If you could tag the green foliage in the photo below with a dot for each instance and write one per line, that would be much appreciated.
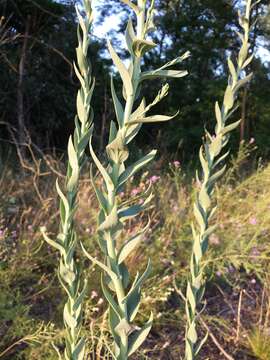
(66, 243)
(209, 27)
(260, 344)
(239, 254)
(121, 218)
(124, 296)
(211, 157)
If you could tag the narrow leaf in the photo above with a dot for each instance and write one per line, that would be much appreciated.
(163, 74)
(122, 70)
(117, 105)
(132, 169)
(136, 339)
(100, 264)
(154, 118)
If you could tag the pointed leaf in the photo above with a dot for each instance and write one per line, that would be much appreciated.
(78, 352)
(119, 111)
(140, 47)
(100, 264)
(163, 74)
(133, 169)
(154, 118)
(136, 339)
(129, 246)
(73, 161)
(122, 70)
(51, 242)
(101, 198)
(130, 36)
(106, 176)
(110, 222)
(110, 299)
(231, 127)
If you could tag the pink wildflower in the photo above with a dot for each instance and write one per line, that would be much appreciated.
(253, 221)
(252, 140)
(135, 191)
(214, 239)
(176, 163)
(154, 179)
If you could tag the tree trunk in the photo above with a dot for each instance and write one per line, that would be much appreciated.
(20, 90)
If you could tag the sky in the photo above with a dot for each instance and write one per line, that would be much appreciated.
(112, 22)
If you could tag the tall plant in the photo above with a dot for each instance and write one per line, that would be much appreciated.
(211, 158)
(66, 242)
(124, 296)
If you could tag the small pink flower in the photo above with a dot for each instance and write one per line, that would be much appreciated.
(252, 140)
(255, 251)
(154, 179)
(176, 163)
(122, 194)
(135, 191)
(253, 220)
(214, 239)
(253, 281)
(218, 273)
(87, 230)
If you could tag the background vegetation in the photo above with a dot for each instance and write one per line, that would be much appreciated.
(37, 106)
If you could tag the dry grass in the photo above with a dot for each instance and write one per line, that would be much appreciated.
(237, 310)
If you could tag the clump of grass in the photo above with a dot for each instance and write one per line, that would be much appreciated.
(260, 344)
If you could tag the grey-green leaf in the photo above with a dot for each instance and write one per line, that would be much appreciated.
(137, 337)
(123, 71)
(132, 169)
(163, 74)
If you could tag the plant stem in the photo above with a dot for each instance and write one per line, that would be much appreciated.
(211, 156)
(66, 241)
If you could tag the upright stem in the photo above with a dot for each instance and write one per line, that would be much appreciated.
(211, 157)
(123, 295)
(66, 241)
